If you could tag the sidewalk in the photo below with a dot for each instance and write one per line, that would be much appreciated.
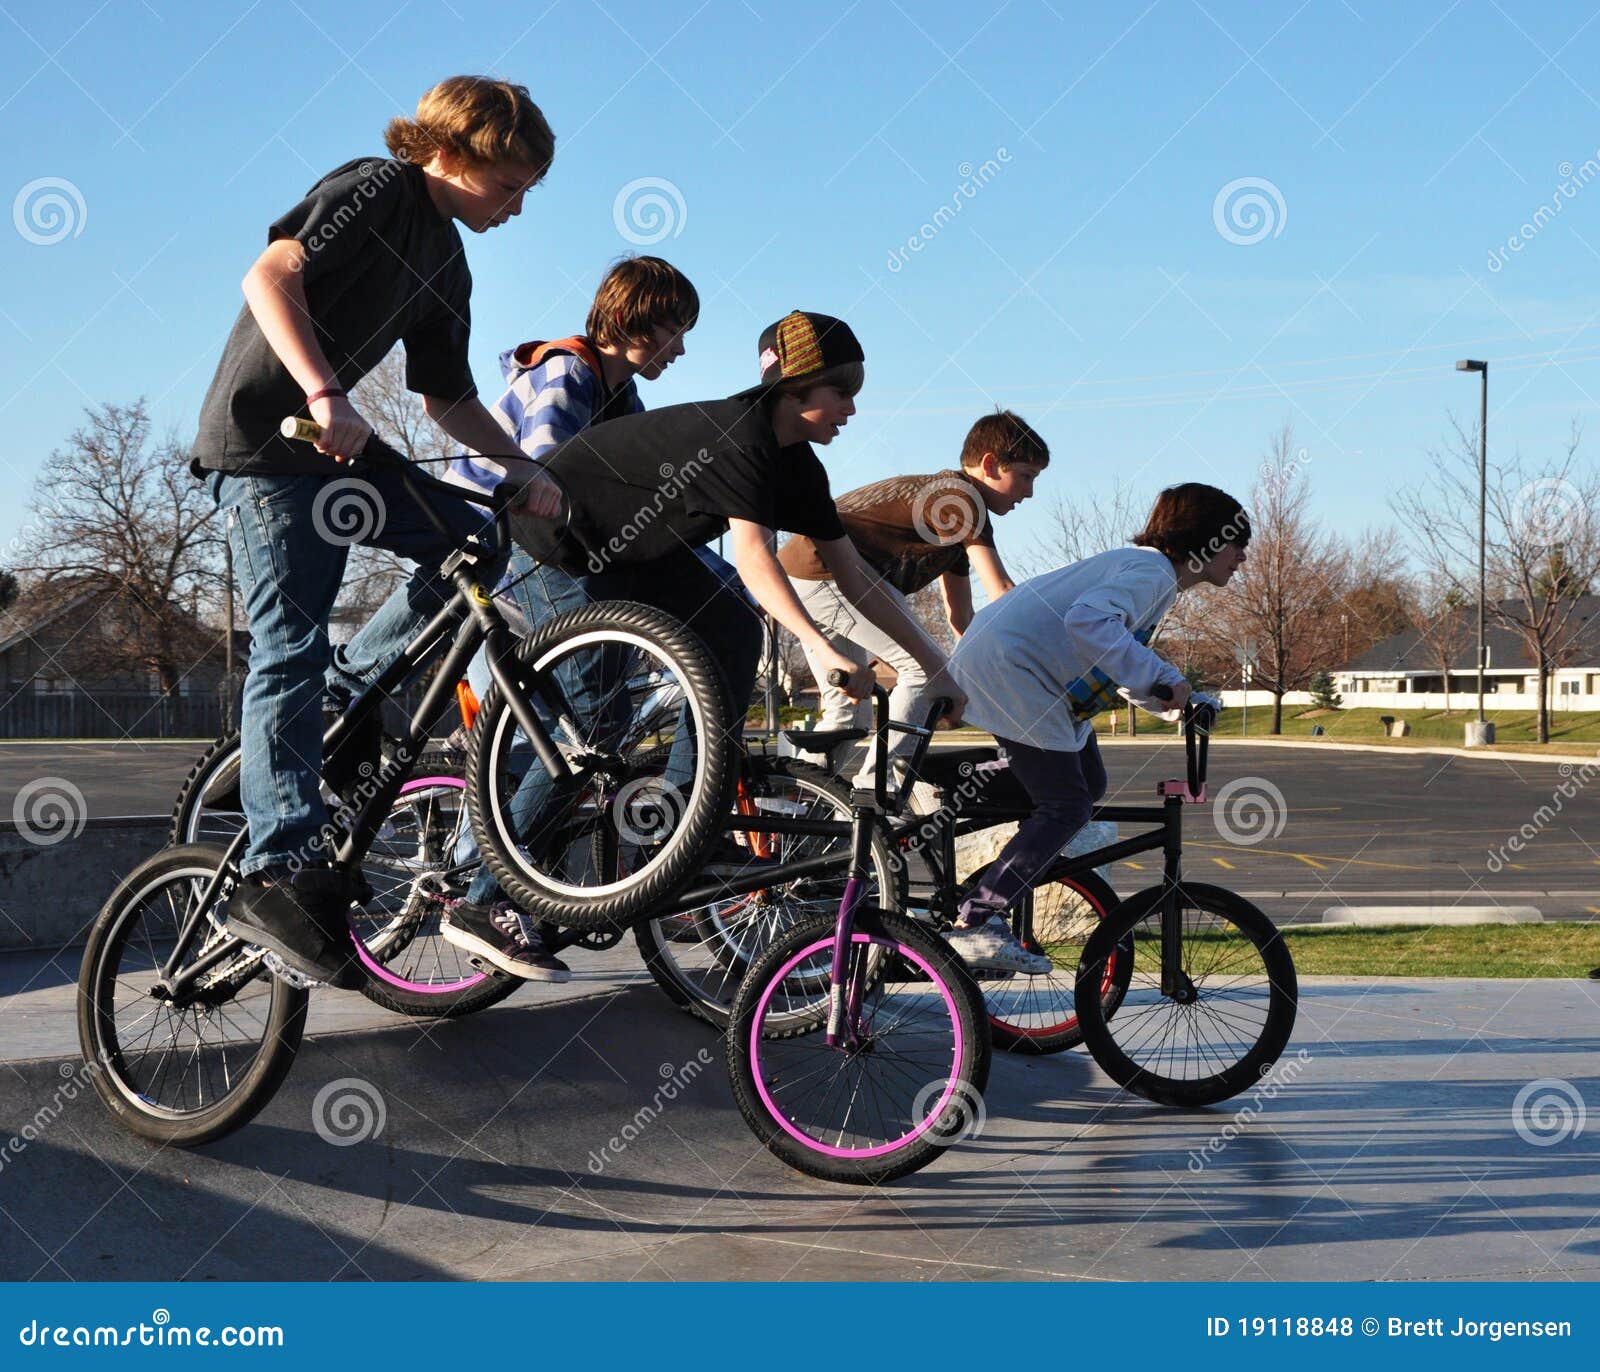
(1390, 1150)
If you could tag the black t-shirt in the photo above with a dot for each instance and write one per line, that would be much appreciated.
(382, 266)
(650, 484)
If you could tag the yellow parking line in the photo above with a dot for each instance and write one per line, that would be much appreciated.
(1223, 862)
(1137, 866)
(1309, 862)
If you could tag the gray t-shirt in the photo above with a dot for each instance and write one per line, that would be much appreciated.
(382, 266)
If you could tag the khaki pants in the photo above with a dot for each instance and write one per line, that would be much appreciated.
(860, 640)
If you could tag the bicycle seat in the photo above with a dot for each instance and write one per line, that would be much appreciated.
(822, 740)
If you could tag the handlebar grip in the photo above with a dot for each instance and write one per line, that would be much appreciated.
(305, 430)
(838, 678)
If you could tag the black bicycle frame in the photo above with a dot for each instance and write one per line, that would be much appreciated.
(473, 619)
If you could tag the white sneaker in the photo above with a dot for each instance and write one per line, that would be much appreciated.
(992, 944)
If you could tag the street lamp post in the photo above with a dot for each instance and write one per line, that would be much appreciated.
(1481, 731)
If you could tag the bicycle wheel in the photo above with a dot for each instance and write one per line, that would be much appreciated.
(908, 1086)
(413, 866)
(207, 808)
(1038, 1014)
(699, 957)
(185, 1073)
(651, 746)
(1233, 1013)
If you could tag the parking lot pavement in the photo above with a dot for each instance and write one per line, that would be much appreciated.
(1295, 829)
(1422, 1130)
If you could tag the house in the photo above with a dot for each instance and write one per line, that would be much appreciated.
(1404, 670)
(66, 636)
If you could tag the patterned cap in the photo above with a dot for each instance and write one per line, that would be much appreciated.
(801, 344)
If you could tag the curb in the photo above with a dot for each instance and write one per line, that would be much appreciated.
(975, 739)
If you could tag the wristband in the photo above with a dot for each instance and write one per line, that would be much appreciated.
(326, 393)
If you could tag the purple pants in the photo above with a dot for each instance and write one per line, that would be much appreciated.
(1065, 788)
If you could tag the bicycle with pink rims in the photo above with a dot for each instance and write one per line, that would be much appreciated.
(413, 867)
(858, 1043)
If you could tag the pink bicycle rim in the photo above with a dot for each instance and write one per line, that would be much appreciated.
(815, 1144)
(376, 969)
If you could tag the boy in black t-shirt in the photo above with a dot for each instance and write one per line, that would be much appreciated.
(647, 490)
(369, 258)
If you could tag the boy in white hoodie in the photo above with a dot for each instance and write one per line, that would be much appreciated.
(1037, 665)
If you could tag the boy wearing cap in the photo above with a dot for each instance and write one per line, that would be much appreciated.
(647, 490)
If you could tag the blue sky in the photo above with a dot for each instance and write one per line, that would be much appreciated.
(1085, 271)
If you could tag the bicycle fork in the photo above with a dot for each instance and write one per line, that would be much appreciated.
(848, 978)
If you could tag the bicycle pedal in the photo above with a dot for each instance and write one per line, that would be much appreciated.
(287, 974)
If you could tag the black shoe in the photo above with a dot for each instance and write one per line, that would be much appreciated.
(498, 936)
(357, 757)
(271, 910)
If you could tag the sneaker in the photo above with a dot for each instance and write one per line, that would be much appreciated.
(303, 922)
(495, 933)
(992, 944)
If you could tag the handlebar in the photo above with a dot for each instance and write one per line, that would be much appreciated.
(1197, 722)
(499, 500)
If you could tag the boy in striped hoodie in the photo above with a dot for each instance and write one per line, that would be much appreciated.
(556, 389)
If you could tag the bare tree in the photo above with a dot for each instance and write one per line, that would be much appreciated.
(1081, 527)
(1443, 619)
(1288, 594)
(123, 517)
(1542, 541)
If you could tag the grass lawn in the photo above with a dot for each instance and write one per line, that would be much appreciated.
(1569, 731)
(1482, 950)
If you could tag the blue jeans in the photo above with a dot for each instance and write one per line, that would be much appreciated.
(290, 539)
(694, 589)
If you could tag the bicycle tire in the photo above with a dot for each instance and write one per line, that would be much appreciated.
(219, 762)
(618, 899)
(726, 940)
(464, 991)
(122, 1077)
(1037, 1015)
(1138, 1050)
(938, 991)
